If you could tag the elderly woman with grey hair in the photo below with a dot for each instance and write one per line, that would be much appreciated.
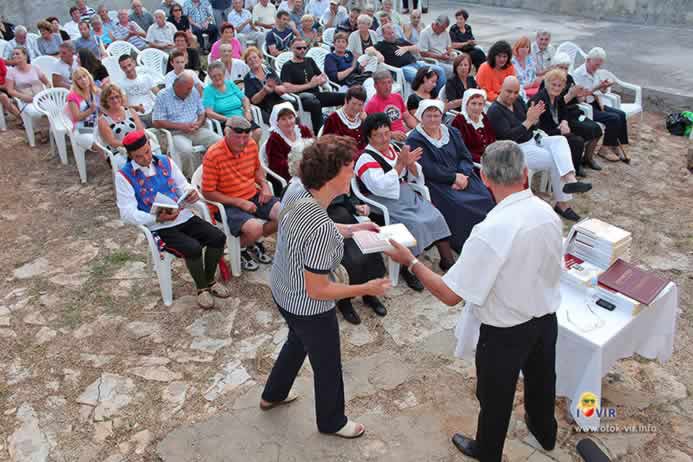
(363, 37)
(344, 211)
(594, 85)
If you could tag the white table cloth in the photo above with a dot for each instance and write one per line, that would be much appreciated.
(583, 358)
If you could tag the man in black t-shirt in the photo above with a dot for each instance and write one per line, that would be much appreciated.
(463, 39)
(401, 54)
(302, 76)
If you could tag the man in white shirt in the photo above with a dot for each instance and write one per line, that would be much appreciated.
(509, 274)
(72, 27)
(435, 43)
(242, 20)
(160, 34)
(65, 66)
(264, 15)
(139, 89)
(183, 234)
(317, 8)
(543, 52)
(334, 15)
(21, 39)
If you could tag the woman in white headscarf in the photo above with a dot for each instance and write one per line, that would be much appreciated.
(474, 126)
(447, 165)
(285, 132)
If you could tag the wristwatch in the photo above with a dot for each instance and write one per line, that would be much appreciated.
(412, 263)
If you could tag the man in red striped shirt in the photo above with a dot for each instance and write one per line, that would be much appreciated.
(232, 175)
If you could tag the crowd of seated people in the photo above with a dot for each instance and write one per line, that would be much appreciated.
(222, 72)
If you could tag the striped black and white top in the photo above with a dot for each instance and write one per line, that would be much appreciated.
(307, 240)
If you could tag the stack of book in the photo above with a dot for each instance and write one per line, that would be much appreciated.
(598, 242)
(579, 273)
(628, 287)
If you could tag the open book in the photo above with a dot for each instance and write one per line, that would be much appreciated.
(372, 242)
(162, 201)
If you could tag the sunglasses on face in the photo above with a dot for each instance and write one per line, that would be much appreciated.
(300, 48)
(240, 130)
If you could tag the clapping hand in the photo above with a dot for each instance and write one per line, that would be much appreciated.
(408, 157)
(535, 111)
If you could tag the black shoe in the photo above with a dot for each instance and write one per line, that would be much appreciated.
(348, 311)
(544, 444)
(411, 280)
(376, 304)
(577, 187)
(592, 163)
(467, 446)
(568, 214)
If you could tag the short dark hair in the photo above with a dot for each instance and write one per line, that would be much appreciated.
(374, 122)
(356, 9)
(358, 92)
(324, 159)
(85, 21)
(226, 25)
(124, 57)
(501, 47)
(462, 12)
(181, 33)
(176, 54)
(282, 13)
(73, 9)
(421, 74)
(52, 18)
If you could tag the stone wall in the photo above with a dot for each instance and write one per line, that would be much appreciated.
(664, 12)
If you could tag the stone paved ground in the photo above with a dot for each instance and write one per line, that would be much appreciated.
(93, 367)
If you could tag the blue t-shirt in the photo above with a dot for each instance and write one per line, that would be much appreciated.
(228, 104)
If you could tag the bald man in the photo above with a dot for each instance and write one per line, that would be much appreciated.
(513, 120)
(179, 109)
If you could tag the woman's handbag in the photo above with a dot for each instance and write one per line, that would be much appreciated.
(338, 275)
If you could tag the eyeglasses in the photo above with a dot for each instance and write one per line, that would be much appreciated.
(300, 48)
(240, 130)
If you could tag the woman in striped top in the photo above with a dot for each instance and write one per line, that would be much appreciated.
(309, 246)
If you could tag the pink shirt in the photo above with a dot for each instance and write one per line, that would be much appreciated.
(393, 106)
(214, 54)
(24, 80)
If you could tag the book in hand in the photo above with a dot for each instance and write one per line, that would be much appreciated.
(372, 242)
(633, 282)
(163, 202)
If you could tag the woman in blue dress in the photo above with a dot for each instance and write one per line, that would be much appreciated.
(447, 165)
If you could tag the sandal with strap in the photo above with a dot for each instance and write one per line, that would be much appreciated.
(351, 430)
(266, 405)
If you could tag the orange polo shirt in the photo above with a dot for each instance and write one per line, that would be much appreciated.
(229, 174)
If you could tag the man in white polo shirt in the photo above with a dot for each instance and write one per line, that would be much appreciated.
(509, 274)
(435, 43)
(160, 34)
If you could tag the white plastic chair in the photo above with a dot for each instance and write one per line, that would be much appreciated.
(270, 59)
(399, 79)
(419, 186)
(631, 109)
(78, 151)
(265, 166)
(154, 60)
(328, 36)
(121, 47)
(282, 59)
(571, 50)
(318, 55)
(3, 44)
(233, 242)
(115, 73)
(46, 64)
(51, 103)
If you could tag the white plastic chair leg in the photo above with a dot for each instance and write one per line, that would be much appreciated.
(393, 270)
(3, 124)
(165, 282)
(29, 128)
(61, 145)
(81, 162)
(235, 255)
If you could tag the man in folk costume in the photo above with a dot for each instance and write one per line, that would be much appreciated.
(183, 234)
